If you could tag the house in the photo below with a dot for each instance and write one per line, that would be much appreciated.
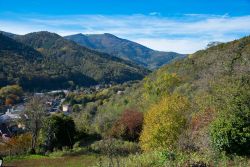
(66, 108)
(119, 92)
(97, 87)
(39, 94)
(8, 122)
(9, 116)
(58, 91)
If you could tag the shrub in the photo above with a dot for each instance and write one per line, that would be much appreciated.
(103, 122)
(230, 132)
(129, 126)
(17, 145)
(115, 147)
(164, 122)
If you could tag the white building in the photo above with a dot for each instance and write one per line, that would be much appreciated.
(65, 108)
(9, 116)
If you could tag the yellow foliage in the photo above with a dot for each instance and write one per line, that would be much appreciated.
(162, 85)
(164, 122)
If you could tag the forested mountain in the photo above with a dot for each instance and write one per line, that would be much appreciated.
(18, 61)
(125, 49)
(59, 63)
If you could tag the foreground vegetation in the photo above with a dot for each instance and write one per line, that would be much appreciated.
(145, 160)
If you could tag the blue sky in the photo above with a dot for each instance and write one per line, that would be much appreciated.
(183, 26)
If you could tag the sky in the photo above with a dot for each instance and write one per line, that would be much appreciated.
(183, 26)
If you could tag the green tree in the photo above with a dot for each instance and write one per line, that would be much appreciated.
(59, 131)
(162, 85)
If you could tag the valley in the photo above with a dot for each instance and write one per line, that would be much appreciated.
(81, 107)
(124, 83)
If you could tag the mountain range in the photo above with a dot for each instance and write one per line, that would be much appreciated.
(125, 49)
(44, 60)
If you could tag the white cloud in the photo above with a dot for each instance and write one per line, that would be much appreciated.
(181, 45)
(184, 34)
(155, 14)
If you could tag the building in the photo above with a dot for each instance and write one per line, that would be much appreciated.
(119, 92)
(8, 124)
(9, 116)
(65, 108)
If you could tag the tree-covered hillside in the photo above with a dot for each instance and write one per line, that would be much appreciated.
(196, 73)
(59, 63)
(199, 104)
(125, 49)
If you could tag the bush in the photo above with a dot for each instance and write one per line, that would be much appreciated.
(230, 132)
(164, 122)
(17, 145)
(103, 122)
(115, 147)
(129, 126)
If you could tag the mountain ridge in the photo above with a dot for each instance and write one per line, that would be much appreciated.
(126, 49)
(63, 63)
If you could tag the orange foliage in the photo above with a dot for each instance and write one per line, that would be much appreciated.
(129, 125)
(9, 101)
(16, 145)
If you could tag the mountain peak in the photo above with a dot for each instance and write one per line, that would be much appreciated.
(39, 39)
(79, 34)
(43, 33)
(109, 35)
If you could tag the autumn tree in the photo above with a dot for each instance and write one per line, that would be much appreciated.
(164, 122)
(11, 94)
(33, 117)
(128, 126)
